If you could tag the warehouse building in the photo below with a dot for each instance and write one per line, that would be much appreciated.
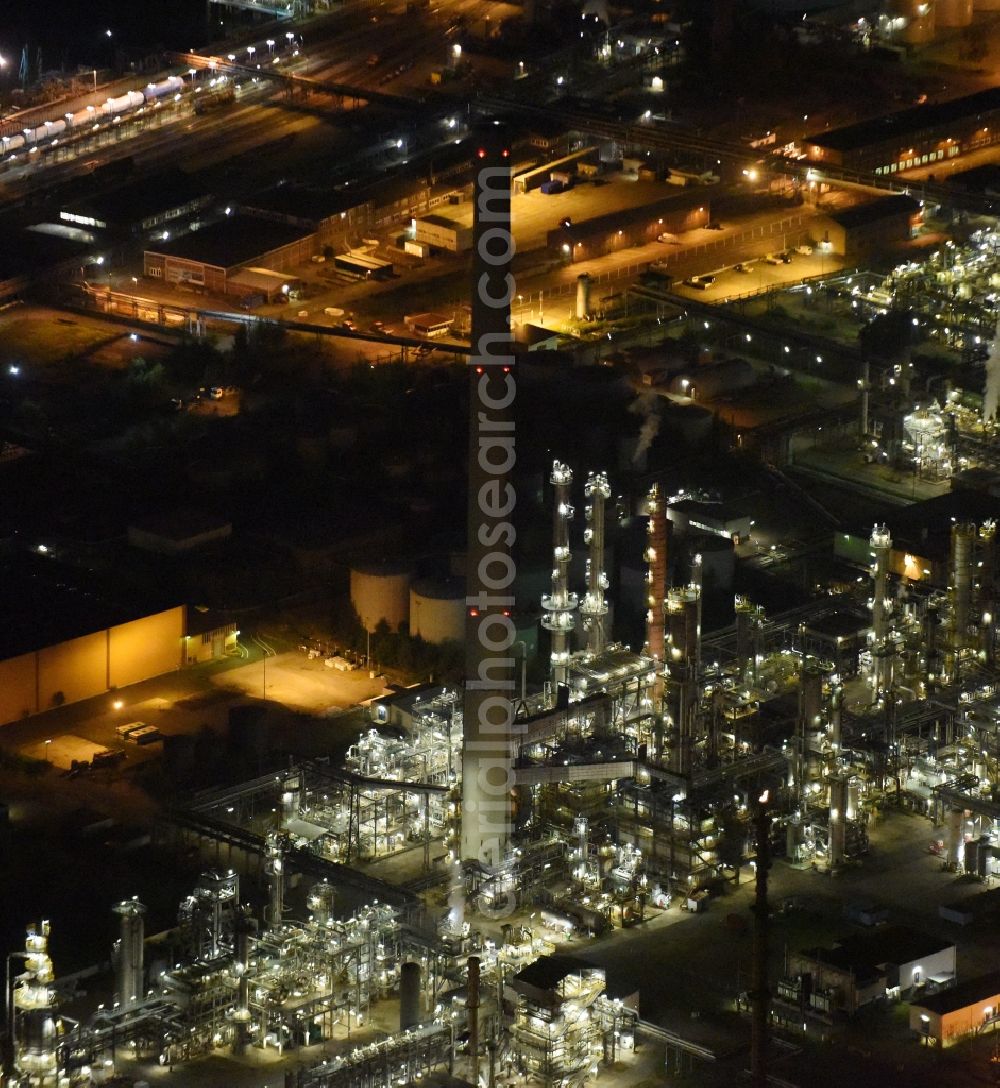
(629, 227)
(869, 228)
(93, 662)
(948, 1017)
(864, 968)
(141, 206)
(212, 257)
(913, 137)
(438, 232)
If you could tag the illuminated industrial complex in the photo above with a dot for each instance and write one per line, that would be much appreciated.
(499, 549)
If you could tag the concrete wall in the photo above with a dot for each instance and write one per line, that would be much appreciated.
(146, 647)
(77, 668)
(17, 688)
(90, 665)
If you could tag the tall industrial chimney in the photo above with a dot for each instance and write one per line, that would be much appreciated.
(488, 709)
(472, 1006)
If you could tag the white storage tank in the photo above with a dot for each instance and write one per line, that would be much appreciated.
(381, 591)
(437, 609)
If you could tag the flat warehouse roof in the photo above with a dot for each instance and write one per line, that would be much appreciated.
(907, 123)
(142, 198)
(234, 240)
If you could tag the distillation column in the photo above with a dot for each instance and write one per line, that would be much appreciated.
(683, 652)
(963, 536)
(594, 607)
(561, 603)
(274, 867)
(987, 590)
(656, 574)
(32, 1019)
(749, 620)
(244, 926)
(838, 821)
(882, 648)
(129, 952)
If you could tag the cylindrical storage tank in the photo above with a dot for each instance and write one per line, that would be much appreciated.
(12, 143)
(409, 995)
(582, 296)
(952, 13)
(54, 128)
(129, 972)
(914, 20)
(117, 105)
(381, 591)
(437, 609)
(135, 99)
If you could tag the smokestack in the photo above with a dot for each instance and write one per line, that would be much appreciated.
(561, 603)
(761, 995)
(656, 574)
(489, 630)
(129, 974)
(472, 1005)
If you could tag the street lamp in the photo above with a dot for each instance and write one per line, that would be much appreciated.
(270, 45)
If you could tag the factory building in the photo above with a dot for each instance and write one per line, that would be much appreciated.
(929, 133)
(967, 1009)
(864, 968)
(139, 207)
(630, 227)
(866, 229)
(37, 678)
(212, 257)
(439, 232)
(175, 532)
